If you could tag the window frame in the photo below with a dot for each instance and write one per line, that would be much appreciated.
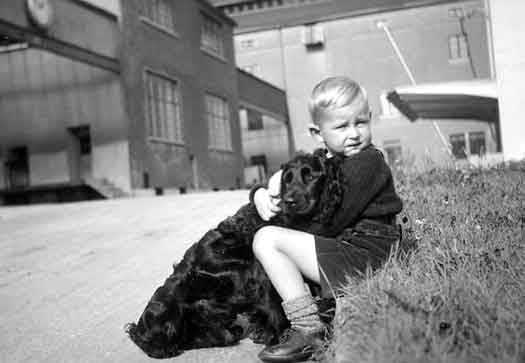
(469, 138)
(459, 135)
(474, 136)
(459, 43)
(396, 146)
(218, 35)
(151, 107)
(257, 124)
(388, 110)
(148, 17)
(214, 137)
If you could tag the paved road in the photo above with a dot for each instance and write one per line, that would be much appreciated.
(72, 275)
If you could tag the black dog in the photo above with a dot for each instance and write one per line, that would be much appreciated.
(219, 293)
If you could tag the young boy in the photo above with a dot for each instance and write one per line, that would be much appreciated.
(341, 120)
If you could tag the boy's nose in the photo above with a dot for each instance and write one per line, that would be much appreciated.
(353, 133)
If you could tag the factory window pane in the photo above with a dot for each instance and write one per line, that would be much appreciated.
(163, 108)
(211, 36)
(255, 120)
(476, 142)
(218, 118)
(160, 12)
(458, 47)
(459, 146)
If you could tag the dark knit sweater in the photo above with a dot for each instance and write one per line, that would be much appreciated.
(369, 193)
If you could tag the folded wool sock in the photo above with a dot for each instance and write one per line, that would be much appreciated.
(303, 314)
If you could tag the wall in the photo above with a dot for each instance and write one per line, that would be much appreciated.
(178, 55)
(509, 53)
(420, 155)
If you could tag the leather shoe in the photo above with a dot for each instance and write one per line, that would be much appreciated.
(293, 346)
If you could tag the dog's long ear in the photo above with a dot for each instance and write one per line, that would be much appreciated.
(332, 193)
(320, 153)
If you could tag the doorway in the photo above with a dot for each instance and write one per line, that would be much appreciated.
(17, 167)
(79, 152)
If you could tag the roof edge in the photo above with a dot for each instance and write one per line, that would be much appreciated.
(240, 70)
(217, 11)
(347, 14)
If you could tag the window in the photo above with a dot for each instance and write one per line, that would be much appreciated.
(247, 43)
(163, 108)
(476, 142)
(457, 141)
(458, 47)
(260, 160)
(393, 152)
(464, 144)
(218, 117)
(160, 12)
(313, 36)
(456, 12)
(211, 36)
(255, 120)
(387, 109)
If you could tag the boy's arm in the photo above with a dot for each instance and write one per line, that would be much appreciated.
(274, 186)
(265, 200)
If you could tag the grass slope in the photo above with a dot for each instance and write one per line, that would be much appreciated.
(459, 296)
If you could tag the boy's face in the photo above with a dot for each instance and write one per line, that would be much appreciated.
(345, 130)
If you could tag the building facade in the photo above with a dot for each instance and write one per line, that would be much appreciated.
(180, 84)
(294, 44)
(121, 96)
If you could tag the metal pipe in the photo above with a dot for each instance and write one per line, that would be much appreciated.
(382, 25)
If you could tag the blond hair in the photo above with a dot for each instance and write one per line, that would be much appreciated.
(333, 93)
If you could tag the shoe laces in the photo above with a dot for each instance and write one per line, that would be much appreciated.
(286, 335)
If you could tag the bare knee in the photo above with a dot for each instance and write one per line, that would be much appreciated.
(264, 241)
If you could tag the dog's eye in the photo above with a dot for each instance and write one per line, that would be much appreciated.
(288, 177)
(306, 174)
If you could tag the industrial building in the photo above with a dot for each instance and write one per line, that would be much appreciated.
(109, 98)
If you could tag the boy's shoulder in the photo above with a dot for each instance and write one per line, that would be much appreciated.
(370, 155)
(369, 161)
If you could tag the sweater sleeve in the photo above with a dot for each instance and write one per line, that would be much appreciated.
(366, 174)
(253, 189)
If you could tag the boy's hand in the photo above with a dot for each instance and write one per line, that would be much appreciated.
(274, 184)
(266, 200)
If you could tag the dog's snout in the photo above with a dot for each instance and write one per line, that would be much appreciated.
(290, 201)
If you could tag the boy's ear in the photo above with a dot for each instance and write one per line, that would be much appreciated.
(315, 132)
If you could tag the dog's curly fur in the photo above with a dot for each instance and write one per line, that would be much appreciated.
(219, 293)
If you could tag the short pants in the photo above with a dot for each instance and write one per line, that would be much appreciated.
(366, 245)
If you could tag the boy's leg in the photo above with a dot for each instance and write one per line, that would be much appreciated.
(286, 255)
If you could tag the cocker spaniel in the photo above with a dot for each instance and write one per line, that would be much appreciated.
(219, 293)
